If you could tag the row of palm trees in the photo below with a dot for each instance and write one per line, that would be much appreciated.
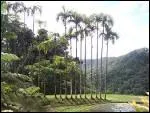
(84, 27)
(19, 7)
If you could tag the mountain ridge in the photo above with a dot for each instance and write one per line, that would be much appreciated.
(127, 74)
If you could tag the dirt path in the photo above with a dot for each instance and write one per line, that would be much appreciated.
(113, 107)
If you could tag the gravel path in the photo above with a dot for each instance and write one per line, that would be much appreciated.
(113, 107)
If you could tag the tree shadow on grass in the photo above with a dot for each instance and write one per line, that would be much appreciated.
(78, 101)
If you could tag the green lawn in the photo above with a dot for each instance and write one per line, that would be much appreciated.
(123, 98)
(81, 105)
(110, 97)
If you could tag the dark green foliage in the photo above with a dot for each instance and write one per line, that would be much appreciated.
(128, 74)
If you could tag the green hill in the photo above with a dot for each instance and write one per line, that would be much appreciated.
(127, 74)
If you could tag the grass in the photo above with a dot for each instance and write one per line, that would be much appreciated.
(124, 98)
(82, 105)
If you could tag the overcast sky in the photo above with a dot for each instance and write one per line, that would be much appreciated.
(131, 22)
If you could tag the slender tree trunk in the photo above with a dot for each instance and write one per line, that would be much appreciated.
(101, 63)
(66, 66)
(55, 81)
(71, 73)
(85, 70)
(91, 68)
(33, 23)
(39, 71)
(76, 59)
(60, 92)
(24, 19)
(97, 77)
(7, 46)
(44, 87)
(106, 68)
(81, 67)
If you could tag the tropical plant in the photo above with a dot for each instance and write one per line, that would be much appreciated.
(106, 21)
(70, 35)
(32, 10)
(87, 29)
(77, 19)
(110, 35)
(96, 19)
(64, 17)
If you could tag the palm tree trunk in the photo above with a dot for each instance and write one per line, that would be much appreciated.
(33, 23)
(44, 87)
(71, 86)
(80, 67)
(66, 65)
(97, 81)
(39, 71)
(55, 81)
(60, 92)
(7, 46)
(101, 63)
(76, 59)
(91, 68)
(24, 19)
(71, 73)
(85, 70)
(106, 67)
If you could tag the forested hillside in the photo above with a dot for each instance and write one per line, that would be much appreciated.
(128, 73)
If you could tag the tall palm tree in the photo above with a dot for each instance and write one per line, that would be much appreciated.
(32, 10)
(110, 35)
(91, 67)
(24, 10)
(81, 33)
(106, 21)
(56, 35)
(16, 7)
(87, 28)
(81, 38)
(76, 19)
(96, 19)
(64, 15)
(90, 31)
(69, 36)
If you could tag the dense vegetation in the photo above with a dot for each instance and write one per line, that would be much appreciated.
(127, 74)
(33, 66)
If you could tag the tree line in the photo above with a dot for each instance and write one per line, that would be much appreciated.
(45, 58)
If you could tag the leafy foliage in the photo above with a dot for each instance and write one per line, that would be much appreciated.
(8, 57)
